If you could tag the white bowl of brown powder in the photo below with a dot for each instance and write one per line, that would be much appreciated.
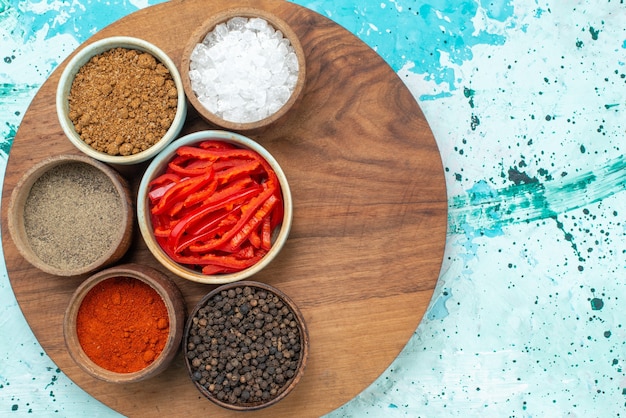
(71, 215)
(121, 100)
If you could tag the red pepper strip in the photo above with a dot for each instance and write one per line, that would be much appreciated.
(160, 231)
(216, 154)
(255, 239)
(248, 211)
(233, 217)
(266, 234)
(181, 190)
(230, 174)
(221, 165)
(209, 144)
(207, 230)
(191, 169)
(164, 178)
(232, 189)
(245, 252)
(252, 223)
(159, 192)
(176, 208)
(279, 211)
(197, 214)
(227, 261)
(200, 195)
(231, 263)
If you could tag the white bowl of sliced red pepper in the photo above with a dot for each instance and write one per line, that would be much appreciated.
(214, 207)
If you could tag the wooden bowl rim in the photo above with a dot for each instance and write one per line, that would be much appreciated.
(208, 25)
(169, 293)
(22, 190)
(304, 339)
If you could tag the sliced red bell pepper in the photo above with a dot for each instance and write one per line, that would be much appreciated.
(197, 214)
(266, 235)
(215, 207)
(183, 188)
(253, 222)
(216, 145)
(247, 212)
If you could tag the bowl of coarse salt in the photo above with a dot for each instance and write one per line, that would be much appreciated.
(243, 69)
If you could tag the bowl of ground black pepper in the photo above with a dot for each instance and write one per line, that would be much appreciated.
(121, 100)
(125, 324)
(71, 215)
(245, 345)
(243, 69)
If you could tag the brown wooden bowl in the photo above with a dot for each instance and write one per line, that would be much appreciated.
(199, 35)
(31, 241)
(236, 342)
(176, 311)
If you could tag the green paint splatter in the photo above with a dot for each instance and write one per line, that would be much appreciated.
(609, 106)
(594, 33)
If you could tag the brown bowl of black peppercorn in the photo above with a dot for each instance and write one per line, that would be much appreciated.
(245, 345)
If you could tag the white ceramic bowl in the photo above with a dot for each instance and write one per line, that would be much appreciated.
(80, 59)
(158, 165)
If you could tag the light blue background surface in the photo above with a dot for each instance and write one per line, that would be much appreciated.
(527, 102)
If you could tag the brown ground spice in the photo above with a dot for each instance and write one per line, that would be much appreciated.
(72, 215)
(122, 101)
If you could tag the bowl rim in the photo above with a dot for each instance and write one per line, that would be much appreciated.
(143, 212)
(208, 25)
(81, 58)
(174, 304)
(21, 191)
(304, 339)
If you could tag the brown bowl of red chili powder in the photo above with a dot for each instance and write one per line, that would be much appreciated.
(125, 324)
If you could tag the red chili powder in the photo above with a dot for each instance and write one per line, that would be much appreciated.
(122, 324)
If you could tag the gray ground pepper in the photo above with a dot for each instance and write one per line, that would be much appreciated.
(122, 101)
(72, 215)
(244, 346)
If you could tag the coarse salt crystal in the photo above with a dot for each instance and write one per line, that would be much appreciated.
(244, 70)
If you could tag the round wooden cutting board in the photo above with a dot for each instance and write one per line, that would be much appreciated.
(369, 228)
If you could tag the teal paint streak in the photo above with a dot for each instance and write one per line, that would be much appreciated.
(486, 209)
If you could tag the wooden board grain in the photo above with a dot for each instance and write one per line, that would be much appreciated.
(369, 226)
